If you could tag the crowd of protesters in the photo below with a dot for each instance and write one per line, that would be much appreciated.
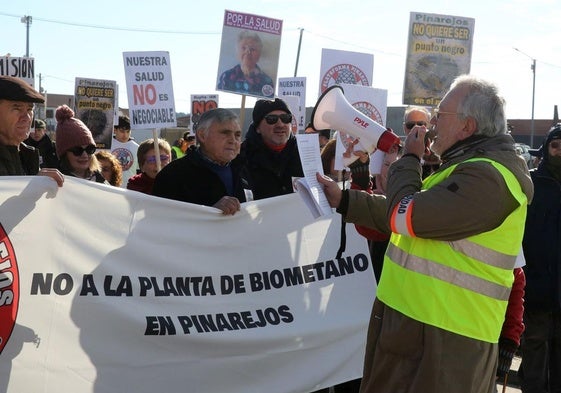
(465, 233)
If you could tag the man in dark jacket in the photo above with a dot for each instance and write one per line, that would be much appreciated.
(17, 99)
(540, 370)
(206, 175)
(41, 141)
(269, 151)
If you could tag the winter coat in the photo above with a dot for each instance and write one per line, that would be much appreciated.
(142, 183)
(472, 200)
(190, 179)
(18, 162)
(270, 173)
(47, 151)
(542, 243)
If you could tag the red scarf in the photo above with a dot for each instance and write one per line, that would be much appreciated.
(277, 148)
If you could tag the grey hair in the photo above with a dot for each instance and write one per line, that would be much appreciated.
(483, 103)
(246, 34)
(412, 108)
(217, 115)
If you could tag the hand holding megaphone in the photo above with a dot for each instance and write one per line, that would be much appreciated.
(416, 142)
(333, 111)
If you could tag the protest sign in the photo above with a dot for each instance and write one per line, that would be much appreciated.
(95, 106)
(339, 66)
(439, 49)
(249, 54)
(149, 90)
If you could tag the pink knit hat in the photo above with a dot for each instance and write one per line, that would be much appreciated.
(70, 131)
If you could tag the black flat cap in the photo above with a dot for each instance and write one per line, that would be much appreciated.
(16, 89)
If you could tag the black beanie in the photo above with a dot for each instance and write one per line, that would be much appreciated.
(554, 133)
(263, 107)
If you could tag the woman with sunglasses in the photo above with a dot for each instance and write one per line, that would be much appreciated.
(148, 163)
(75, 147)
(270, 152)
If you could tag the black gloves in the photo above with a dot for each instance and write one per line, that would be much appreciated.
(360, 174)
(507, 349)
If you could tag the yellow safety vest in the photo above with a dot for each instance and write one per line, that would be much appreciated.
(460, 286)
(179, 153)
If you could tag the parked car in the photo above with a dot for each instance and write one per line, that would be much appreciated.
(523, 150)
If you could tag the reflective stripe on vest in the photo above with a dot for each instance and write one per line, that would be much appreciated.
(460, 286)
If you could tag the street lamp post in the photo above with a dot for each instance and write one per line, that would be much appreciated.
(298, 53)
(533, 67)
(27, 20)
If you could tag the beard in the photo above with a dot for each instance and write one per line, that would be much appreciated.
(554, 166)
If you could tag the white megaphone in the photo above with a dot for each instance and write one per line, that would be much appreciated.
(333, 111)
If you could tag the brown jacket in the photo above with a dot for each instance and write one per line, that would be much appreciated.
(402, 354)
(472, 200)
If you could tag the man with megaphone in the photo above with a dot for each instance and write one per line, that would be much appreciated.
(448, 269)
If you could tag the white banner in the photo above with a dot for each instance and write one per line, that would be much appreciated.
(109, 290)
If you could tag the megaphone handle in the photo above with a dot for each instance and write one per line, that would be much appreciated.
(343, 240)
(387, 140)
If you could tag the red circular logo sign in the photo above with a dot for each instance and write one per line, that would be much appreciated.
(343, 73)
(9, 288)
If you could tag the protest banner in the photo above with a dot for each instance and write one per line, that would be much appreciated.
(95, 106)
(439, 48)
(149, 294)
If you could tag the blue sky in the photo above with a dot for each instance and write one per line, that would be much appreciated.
(86, 39)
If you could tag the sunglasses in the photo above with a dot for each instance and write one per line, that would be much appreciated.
(555, 144)
(411, 124)
(272, 119)
(152, 159)
(79, 150)
(436, 112)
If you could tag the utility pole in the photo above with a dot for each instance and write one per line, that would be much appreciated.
(41, 107)
(533, 67)
(298, 53)
(27, 20)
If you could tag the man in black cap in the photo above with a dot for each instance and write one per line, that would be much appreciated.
(41, 141)
(540, 370)
(16, 113)
(269, 151)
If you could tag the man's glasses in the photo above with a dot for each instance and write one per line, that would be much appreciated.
(272, 119)
(152, 159)
(436, 112)
(79, 150)
(555, 144)
(411, 124)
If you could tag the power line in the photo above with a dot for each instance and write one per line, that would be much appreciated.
(138, 30)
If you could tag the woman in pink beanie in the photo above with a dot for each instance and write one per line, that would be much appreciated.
(75, 147)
